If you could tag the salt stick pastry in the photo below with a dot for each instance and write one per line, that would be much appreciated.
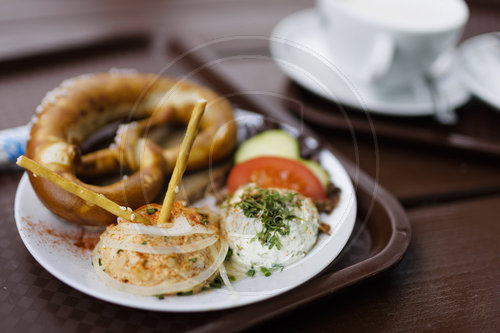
(182, 158)
(89, 196)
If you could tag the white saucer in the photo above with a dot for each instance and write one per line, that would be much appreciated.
(298, 48)
(479, 59)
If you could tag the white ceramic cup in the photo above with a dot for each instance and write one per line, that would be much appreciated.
(389, 42)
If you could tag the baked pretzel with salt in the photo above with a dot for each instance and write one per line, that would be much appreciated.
(72, 112)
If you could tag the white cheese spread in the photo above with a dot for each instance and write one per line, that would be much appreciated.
(245, 234)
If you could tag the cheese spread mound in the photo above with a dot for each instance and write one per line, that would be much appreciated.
(269, 228)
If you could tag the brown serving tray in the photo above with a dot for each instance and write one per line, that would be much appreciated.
(379, 240)
(476, 131)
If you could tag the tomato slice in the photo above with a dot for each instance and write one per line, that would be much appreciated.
(276, 172)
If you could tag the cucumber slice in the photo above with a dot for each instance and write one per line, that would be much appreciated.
(318, 171)
(281, 144)
(269, 143)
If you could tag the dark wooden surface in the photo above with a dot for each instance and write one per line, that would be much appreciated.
(449, 278)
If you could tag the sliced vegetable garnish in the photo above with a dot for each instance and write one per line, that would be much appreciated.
(275, 142)
(276, 172)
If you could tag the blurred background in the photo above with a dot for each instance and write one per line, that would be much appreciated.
(31, 23)
(446, 177)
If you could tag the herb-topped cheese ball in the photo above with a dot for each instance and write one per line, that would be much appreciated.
(269, 228)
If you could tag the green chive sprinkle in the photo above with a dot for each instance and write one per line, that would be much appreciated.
(273, 209)
(204, 218)
(229, 254)
(217, 282)
(265, 271)
(151, 210)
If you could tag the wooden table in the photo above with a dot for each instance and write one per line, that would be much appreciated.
(449, 277)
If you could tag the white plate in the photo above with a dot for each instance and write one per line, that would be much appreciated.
(299, 49)
(72, 266)
(479, 69)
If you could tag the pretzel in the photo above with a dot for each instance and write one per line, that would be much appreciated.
(72, 112)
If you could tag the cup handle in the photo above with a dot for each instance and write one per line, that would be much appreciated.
(381, 59)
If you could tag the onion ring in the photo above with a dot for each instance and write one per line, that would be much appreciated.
(164, 287)
(186, 248)
(129, 228)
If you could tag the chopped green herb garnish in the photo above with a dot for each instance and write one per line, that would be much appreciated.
(194, 259)
(160, 296)
(274, 210)
(231, 278)
(229, 254)
(276, 267)
(251, 272)
(166, 237)
(100, 263)
(265, 271)
(217, 282)
(144, 243)
(151, 210)
(186, 293)
(204, 218)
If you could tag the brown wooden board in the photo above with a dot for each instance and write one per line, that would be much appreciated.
(32, 298)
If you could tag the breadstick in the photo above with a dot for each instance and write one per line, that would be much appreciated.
(80, 191)
(182, 158)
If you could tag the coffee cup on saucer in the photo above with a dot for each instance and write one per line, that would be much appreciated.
(387, 43)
